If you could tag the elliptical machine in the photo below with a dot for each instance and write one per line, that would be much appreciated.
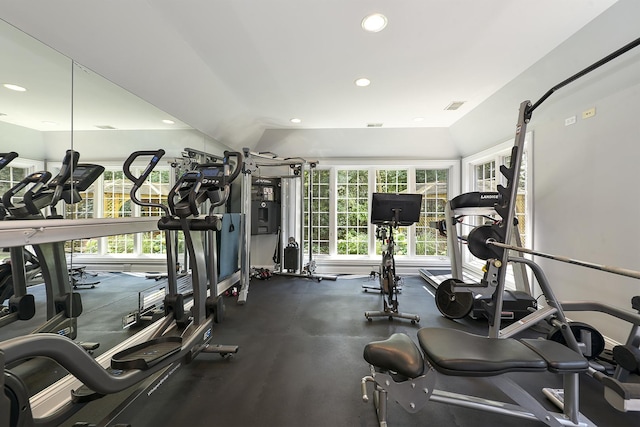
(63, 305)
(153, 354)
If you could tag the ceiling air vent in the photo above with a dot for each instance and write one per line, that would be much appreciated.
(454, 105)
(374, 125)
(105, 127)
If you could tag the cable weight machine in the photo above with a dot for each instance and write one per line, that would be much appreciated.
(275, 204)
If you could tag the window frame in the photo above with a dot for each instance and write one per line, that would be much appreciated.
(136, 211)
(453, 188)
(498, 153)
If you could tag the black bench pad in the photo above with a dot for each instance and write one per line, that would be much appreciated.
(560, 358)
(475, 199)
(397, 353)
(458, 353)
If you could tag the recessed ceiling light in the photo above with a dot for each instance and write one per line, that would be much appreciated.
(418, 119)
(168, 122)
(362, 82)
(374, 22)
(295, 120)
(15, 87)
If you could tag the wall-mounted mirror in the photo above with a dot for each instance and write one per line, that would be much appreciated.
(49, 104)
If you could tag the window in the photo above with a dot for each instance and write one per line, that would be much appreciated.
(393, 181)
(485, 176)
(352, 212)
(320, 211)
(117, 204)
(341, 205)
(482, 174)
(433, 184)
(82, 210)
(522, 198)
(154, 190)
(10, 176)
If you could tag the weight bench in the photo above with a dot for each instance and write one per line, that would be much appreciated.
(399, 371)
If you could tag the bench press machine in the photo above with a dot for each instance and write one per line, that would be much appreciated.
(399, 371)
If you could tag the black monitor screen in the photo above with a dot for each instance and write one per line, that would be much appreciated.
(390, 208)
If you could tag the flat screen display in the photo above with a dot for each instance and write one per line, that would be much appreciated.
(399, 208)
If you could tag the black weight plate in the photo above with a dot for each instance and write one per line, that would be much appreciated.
(628, 357)
(453, 305)
(477, 242)
(577, 328)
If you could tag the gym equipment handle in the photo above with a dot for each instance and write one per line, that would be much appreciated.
(6, 158)
(138, 181)
(126, 168)
(69, 163)
(233, 175)
(39, 179)
(615, 270)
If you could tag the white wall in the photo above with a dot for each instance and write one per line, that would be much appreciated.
(420, 143)
(26, 142)
(586, 201)
(585, 176)
(117, 145)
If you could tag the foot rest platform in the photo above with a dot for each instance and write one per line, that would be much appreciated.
(147, 354)
(622, 396)
(458, 353)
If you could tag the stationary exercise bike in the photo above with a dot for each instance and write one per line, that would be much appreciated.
(388, 212)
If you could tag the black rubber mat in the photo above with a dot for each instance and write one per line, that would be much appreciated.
(301, 361)
(300, 364)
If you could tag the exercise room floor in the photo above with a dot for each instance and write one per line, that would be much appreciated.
(300, 363)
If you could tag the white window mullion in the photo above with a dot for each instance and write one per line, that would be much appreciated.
(333, 217)
(411, 231)
(372, 228)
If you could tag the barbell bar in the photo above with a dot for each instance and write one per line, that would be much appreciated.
(483, 244)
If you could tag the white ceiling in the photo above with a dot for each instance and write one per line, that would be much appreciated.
(233, 68)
